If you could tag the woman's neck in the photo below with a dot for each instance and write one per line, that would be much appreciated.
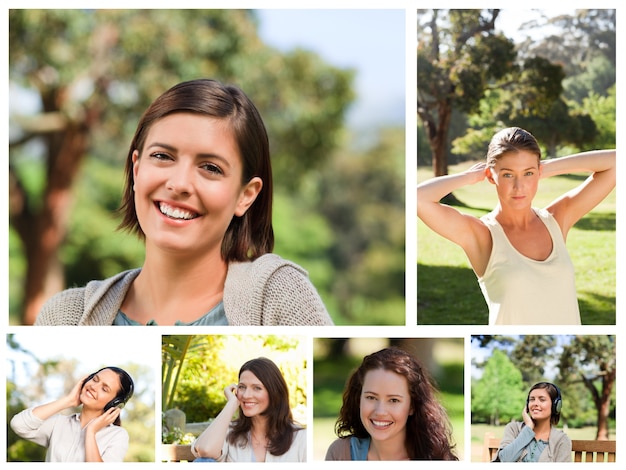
(519, 218)
(175, 288)
(390, 449)
(542, 429)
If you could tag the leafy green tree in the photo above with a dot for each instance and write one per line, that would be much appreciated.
(532, 355)
(592, 361)
(458, 56)
(499, 393)
(582, 36)
(362, 196)
(95, 71)
(197, 368)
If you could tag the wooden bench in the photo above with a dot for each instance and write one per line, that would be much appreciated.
(582, 450)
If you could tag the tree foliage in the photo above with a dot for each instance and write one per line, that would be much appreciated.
(539, 84)
(458, 55)
(197, 368)
(94, 72)
(591, 360)
(499, 394)
(584, 367)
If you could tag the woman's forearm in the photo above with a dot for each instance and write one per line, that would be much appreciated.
(211, 441)
(434, 189)
(50, 409)
(595, 161)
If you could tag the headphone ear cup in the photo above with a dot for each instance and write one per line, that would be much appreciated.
(556, 407)
(113, 403)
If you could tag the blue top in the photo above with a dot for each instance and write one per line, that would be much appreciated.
(525, 439)
(216, 316)
(359, 448)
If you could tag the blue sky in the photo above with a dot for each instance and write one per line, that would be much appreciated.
(372, 41)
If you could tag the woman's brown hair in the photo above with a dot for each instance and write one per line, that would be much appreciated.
(511, 140)
(428, 431)
(280, 423)
(252, 234)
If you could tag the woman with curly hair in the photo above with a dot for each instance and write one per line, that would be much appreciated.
(390, 412)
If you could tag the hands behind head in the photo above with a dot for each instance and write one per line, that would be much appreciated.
(478, 172)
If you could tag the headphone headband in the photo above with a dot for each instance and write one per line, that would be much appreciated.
(125, 392)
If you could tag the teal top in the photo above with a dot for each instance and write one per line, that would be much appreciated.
(359, 448)
(216, 316)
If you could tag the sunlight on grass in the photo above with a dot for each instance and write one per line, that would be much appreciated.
(447, 289)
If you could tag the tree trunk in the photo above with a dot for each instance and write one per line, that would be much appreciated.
(43, 232)
(603, 406)
(438, 140)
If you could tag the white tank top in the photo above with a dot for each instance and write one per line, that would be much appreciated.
(523, 291)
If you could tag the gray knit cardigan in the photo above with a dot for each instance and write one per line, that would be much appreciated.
(267, 291)
(559, 447)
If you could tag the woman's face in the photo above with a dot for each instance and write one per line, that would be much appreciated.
(101, 389)
(516, 176)
(385, 405)
(539, 404)
(188, 183)
(252, 394)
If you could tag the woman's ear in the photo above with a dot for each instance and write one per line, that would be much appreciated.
(135, 159)
(248, 195)
(489, 174)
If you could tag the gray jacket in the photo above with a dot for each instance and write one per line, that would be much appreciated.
(267, 291)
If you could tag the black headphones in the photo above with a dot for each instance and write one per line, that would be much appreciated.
(557, 403)
(126, 390)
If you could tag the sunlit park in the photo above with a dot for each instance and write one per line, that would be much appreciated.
(196, 370)
(333, 105)
(38, 374)
(551, 73)
(504, 368)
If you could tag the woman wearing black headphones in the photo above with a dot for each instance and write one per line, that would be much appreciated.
(536, 439)
(92, 435)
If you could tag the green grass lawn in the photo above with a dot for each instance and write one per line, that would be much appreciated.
(447, 289)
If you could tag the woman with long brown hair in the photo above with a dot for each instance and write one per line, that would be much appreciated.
(263, 430)
(390, 412)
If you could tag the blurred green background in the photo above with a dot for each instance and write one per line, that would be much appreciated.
(335, 359)
(80, 78)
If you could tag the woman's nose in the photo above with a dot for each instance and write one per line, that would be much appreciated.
(180, 179)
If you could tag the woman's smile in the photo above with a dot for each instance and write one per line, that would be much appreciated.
(175, 212)
(188, 177)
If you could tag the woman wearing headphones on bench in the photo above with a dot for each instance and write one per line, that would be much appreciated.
(92, 435)
(536, 439)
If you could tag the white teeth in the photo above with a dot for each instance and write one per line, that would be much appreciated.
(381, 423)
(175, 213)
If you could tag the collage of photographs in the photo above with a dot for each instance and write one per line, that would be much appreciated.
(236, 180)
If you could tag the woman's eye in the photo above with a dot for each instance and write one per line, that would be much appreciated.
(211, 168)
(160, 156)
